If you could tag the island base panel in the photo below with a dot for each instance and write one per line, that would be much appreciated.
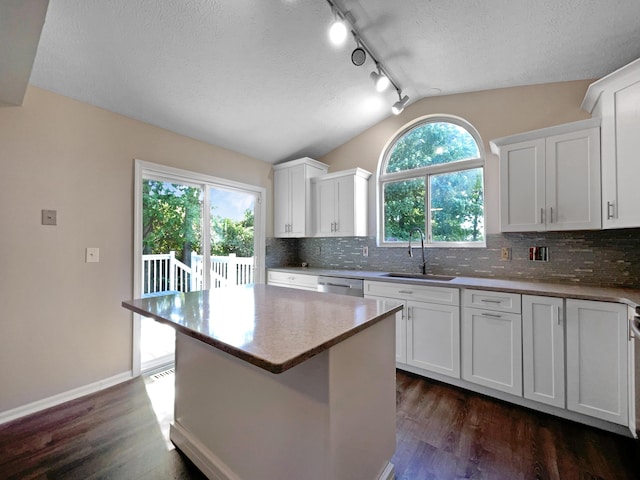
(330, 417)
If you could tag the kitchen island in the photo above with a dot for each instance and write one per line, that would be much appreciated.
(273, 383)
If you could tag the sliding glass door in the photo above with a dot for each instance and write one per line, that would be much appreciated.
(193, 232)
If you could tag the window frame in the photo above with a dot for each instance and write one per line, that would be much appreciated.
(425, 173)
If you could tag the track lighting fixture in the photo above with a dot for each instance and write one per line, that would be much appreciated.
(343, 23)
(358, 56)
(338, 30)
(380, 80)
(398, 107)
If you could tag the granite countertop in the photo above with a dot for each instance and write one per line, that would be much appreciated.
(629, 296)
(271, 327)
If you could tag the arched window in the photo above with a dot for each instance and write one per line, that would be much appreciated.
(431, 177)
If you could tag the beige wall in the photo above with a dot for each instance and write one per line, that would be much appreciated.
(494, 113)
(62, 325)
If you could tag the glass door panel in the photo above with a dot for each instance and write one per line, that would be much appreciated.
(172, 224)
(232, 215)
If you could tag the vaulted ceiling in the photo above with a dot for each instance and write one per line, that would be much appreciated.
(260, 76)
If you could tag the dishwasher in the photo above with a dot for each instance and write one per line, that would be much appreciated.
(343, 286)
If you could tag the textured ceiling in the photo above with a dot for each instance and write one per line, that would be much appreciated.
(260, 77)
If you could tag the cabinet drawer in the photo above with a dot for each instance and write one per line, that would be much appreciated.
(488, 300)
(295, 280)
(408, 291)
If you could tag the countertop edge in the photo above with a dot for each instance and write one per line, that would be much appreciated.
(628, 296)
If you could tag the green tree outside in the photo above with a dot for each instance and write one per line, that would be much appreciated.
(457, 203)
(172, 221)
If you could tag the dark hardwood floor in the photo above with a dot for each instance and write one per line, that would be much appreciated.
(443, 433)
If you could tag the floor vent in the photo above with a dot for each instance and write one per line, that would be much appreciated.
(163, 374)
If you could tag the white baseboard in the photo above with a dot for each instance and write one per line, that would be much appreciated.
(201, 456)
(63, 397)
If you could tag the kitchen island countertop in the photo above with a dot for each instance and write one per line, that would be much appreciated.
(271, 327)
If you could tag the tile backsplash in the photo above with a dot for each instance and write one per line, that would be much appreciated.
(607, 257)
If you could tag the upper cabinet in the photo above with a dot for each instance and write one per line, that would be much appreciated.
(616, 99)
(550, 178)
(340, 203)
(292, 196)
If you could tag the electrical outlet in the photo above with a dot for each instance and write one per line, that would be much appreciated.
(505, 253)
(365, 251)
(539, 254)
(317, 250)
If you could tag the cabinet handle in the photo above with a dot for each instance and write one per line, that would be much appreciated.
(486, 300)
(333, 226)
(337, 229)
(559, 315)
(407, 292)
(609, 207)
(550, 214)
(542, 215)
(493, 315)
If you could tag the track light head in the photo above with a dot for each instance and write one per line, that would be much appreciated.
(338, 31)
(380, 80)
(398, 107)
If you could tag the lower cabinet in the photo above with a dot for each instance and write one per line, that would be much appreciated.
(492, 349)
(401, 326)
(427, 332)
(597, 360)
(301, 281)
(492, 340)
(543, 349)
(433, 337)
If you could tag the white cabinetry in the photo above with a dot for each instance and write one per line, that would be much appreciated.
(616, 99)
(550, 178)
(543, 349)
(401, 325)
(293, 280)
(597, 363)
(492, 340)
(292, 196)
(429, 331)
(340, 203)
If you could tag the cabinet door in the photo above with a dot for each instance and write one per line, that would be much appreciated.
(543, 349)
(344, 206)
(597, 359)
(573, 181)
(433, 337)
(281, 203)
(324, 199)
(492, 349)
(298, 201)
(621, 166)
(401, 326)
(522, 190)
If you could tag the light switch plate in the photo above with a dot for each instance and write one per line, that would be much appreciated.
(365, 251)
(49, 217)
(505, 253)
(92, 255)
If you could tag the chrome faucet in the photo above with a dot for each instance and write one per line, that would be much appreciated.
(424, 261)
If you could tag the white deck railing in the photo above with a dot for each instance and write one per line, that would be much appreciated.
(164, 272)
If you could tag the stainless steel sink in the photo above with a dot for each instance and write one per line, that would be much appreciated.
(420, 276)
